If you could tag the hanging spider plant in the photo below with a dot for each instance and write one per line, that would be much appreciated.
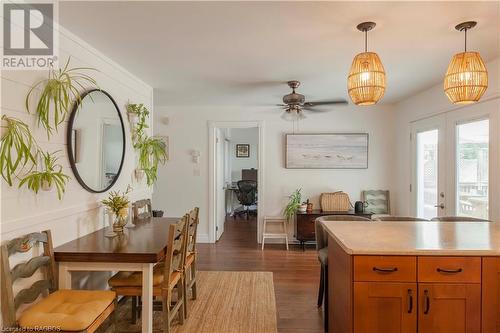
(59, 91)
(152, 151)
(140, 113)
(18, 148)
(50, 175)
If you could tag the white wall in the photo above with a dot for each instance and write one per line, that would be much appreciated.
(179, 188)
(78, 213)
(427, 103)
(243, 136)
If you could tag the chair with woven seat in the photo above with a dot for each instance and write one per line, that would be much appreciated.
(167, 276)
(322, 248)
(142, 209)
(458, 219)
(58, 310)
(191, 257)
(398, 218)
(376, 201)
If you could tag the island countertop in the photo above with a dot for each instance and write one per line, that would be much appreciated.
(416, 238)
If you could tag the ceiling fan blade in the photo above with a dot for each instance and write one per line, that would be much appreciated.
(311, 109)
(331, 102)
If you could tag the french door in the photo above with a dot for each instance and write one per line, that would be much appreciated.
(428, 167)
(454, 155)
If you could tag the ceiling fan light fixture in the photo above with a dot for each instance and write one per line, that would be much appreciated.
(366, 79)
(466, 78)
(293, 113)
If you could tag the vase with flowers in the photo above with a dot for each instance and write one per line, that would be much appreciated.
(118, 203)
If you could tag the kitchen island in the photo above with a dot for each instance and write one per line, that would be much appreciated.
(426, 277)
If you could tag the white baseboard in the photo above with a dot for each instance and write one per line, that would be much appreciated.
(202, 238)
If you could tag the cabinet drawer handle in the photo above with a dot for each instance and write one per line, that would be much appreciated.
(427, 302)
(385, 270)
(409, 298)
(449, 271)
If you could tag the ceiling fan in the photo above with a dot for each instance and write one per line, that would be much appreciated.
(295, 104)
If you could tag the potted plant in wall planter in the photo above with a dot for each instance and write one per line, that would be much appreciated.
(152, 152)
(137, 114)
(139, 174)
(58, 93)
(51, 175)
(18, 148)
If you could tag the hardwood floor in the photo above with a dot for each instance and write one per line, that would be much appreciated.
(296, 273)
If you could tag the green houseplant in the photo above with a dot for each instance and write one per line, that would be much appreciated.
(118, 204)
(58, 92)
(137, 115)
(18, 148)
(293, 205)
(50, 175)
(152, 150)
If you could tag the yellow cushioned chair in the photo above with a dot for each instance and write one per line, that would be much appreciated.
(58, 310)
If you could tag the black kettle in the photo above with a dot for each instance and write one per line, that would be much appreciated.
(359, 207)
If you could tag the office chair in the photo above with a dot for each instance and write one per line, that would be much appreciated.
(247, 196)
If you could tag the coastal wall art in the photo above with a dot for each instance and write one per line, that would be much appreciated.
(326, 151)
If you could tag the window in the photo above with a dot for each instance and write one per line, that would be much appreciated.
(472, 146)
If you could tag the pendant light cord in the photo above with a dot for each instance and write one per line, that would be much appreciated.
(465, 30)
(366, 40)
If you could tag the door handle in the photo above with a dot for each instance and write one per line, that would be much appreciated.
(409, 300)
(427, 302)
(440, 206)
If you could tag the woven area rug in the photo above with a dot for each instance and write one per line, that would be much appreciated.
(227, 302)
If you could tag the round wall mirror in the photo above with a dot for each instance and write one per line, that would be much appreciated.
(96, 141)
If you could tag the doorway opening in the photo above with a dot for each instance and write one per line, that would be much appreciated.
(236, 180)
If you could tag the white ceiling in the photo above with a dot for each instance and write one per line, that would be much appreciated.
(242, 53)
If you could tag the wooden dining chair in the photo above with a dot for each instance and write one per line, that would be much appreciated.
(191, 256)
(398, 218)
(142, 209)
(322, 248)
(58, 310)
(167, 276)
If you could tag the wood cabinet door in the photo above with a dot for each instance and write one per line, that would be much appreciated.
(385, 307)
(449, 308)
(491, 295)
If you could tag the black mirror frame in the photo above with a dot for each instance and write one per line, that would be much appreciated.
(69, 137)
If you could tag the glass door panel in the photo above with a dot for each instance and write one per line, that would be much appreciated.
(427, 144)
(472, 169)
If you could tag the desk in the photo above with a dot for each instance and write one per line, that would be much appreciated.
(138, 249)
(304, 229)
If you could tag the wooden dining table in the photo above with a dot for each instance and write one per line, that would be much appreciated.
(137, 249)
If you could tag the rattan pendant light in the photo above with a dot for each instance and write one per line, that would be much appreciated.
(366, 80)
(466, 79)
